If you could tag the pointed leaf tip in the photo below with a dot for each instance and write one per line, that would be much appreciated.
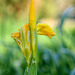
(32, 12)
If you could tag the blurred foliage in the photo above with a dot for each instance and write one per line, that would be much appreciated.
(56, 56)
(53, 58)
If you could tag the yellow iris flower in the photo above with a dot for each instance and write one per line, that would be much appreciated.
(42, 29)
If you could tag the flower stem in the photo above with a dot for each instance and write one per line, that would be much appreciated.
(26, 71)
(33, 38)
(33, 68)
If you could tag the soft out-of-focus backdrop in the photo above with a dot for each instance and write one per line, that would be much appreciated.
(56, 56)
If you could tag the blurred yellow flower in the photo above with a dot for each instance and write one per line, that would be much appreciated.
(23, 36)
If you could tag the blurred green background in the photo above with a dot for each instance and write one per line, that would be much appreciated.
(56, 56)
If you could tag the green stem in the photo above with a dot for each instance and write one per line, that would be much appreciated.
(33, 68)
(33, 38)
(26, 71)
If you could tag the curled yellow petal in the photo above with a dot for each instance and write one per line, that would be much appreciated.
(32, 15)
(44, 29)
(16, 36)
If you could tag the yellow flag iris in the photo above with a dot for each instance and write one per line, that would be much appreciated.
(42, 29)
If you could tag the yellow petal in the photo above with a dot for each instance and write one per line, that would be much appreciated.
(32, 15)
(44, 29)
(16, 36)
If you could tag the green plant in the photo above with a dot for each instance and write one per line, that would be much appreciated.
(26, 38)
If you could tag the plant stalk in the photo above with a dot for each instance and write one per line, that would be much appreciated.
(33, 38)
